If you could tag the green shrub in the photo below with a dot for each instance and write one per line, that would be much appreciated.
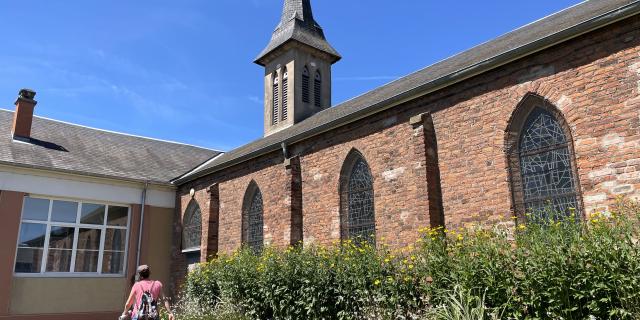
(463, 305)
(543, 270)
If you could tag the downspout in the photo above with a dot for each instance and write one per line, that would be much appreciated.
(143, 202)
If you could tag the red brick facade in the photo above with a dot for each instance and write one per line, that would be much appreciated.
(449, 145)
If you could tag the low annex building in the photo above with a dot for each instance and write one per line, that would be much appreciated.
(80, 207)
(545, 116)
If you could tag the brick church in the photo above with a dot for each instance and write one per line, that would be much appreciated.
(544, 119)
(545, 116)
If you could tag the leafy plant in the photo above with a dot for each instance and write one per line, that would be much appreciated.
(463, 305)
(569, 269)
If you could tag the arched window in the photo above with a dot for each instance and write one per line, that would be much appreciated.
(542, 161)
(357, 214)
(275, 100)
(252, 218)
(317, 89)
(305, 85)
(192, 227)
(285, 94)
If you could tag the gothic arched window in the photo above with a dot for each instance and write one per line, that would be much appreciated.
(285, 94)
(317, 89)
(192, 227)
(542, 161)
(252, 218)
(357, 213)
(275, 100)
(305, 85)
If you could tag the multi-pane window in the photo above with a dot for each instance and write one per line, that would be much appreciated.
(317, 89)
(305, 85)
(192, 228)
(276, 101)
(358, 214)
(253, 220)
(60, 236)
(285, 95)
(548, 182)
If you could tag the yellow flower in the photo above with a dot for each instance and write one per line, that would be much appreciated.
(522, 227)
(410, 266)
(460, 237)
(377, 282)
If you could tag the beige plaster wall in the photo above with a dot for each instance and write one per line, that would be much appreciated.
(159, 222)
(66, 295)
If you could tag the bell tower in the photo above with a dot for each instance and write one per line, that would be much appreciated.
(297, 63)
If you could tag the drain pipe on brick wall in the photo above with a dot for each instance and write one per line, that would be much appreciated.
(285, 152)
(143, 202)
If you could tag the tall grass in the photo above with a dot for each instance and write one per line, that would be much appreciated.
(544, 270)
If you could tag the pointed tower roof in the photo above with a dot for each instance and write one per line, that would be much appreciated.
(297, 24)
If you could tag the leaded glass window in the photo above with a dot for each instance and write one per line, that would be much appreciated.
(548, 181)
(192, 227)
(358, 216)
(253, 221)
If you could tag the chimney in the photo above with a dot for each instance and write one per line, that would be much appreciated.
(24, 114)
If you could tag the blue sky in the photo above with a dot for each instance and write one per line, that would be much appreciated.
(183, 71)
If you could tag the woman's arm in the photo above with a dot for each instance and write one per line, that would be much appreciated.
(129, 302)
(167, 306)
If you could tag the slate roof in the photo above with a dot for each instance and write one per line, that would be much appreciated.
(551, 30)
(65, 147)
(297, 24)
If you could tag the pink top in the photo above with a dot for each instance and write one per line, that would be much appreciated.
(155, 287)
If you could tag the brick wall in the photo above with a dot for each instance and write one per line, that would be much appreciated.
(593, 81)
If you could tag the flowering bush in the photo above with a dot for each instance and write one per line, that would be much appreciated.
(544, 270)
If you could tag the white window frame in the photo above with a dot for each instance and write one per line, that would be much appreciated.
(76, 226)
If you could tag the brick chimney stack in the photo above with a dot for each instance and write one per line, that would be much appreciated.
(23, 116)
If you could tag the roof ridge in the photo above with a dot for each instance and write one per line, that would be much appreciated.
(121, 133)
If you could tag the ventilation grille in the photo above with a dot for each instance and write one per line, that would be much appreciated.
(305, 88)
(276, 101)
(317, 93)
(285, 96)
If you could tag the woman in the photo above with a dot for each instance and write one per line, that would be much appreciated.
(139, 288)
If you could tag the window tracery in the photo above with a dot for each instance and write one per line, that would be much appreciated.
(253, 222)
(192, 227)
(357, 201)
